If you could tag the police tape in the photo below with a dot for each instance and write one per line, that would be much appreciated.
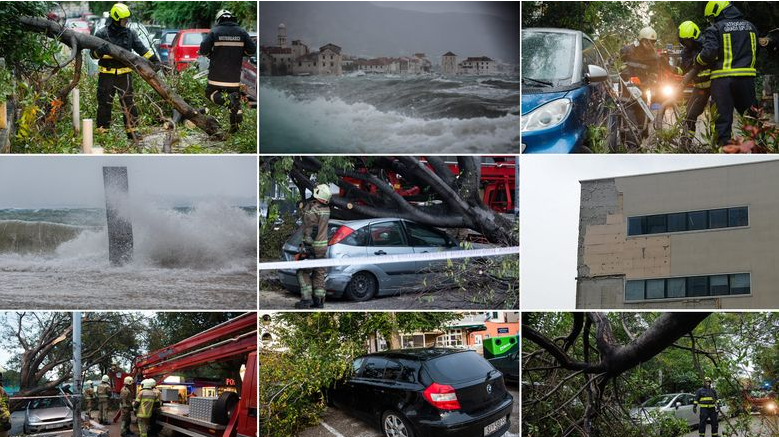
(388, 259)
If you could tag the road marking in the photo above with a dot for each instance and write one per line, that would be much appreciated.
(386, 259)
(331, 429)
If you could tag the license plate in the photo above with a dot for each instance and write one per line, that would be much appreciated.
(494, 426)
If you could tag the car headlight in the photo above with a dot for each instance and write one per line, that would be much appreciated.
(34, 419)
(668, 91)
(546, 116)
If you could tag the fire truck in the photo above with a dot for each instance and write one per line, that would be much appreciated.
(234, 413)
(497, 182)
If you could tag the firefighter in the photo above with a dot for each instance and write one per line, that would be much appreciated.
(146, 402)
(692, 43)
(114, 76)
(315, 214)
(640, 60)
(5, 413)
(730, 51)
(225, 46)
(706, 399)
(89, 397)
(126, 406)
(103, 394)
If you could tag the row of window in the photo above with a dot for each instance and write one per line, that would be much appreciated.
(693, 286)
(689, 221)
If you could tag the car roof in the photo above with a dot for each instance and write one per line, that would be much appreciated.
(552, 30)
(418, 354)
(363, 222)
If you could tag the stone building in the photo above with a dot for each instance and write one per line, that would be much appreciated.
(449, 64)
(478, 66)
(281, 60)
(702, 238)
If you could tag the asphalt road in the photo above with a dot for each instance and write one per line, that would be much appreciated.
(761, 426)
(336, 423)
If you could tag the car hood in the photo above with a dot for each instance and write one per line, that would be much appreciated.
(51, 413)
(533, 101)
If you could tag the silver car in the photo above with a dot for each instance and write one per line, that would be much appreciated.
(679, 405)
(373, 237)
(47, 413)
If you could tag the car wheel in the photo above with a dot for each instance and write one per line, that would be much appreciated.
(395, 425)
(361, 287)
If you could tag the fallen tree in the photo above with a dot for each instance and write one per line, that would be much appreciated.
(79, 41)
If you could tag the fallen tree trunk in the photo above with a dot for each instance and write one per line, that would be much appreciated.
(139, 64)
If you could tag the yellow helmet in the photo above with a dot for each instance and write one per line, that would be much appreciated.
(688, 29)
(714, 8)
(119, 11)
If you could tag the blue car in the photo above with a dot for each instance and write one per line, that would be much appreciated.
(564, 90)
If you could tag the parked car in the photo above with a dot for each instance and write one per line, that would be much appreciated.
(249, 74)
(47, 413)
(185, 46)
(508, 365)
(426, 392)
(369, 237)
(676, 404)
(77, 25)
(165, 42)
(563, 90)
(760, 400)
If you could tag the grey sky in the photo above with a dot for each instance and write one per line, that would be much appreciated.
(77, 181)
(549, 212)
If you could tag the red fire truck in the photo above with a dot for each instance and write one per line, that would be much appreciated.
(234, 412)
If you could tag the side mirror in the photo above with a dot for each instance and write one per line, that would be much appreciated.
(596, 74)
(678, 404)
(253, 60)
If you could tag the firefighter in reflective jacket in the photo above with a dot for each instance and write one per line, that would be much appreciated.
(315, 214)
(225, 46)
(146, 401)
(730, 51)
(692, 44)
(706, 400)
(114, 76)
(103, 395)
(126, 406)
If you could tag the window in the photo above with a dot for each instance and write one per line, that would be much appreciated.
(357, 238)
(452, 338)
(677, 222)
(419, 235)
(356, 364)
(693, 286)
(738, 217)
(387, 234)
(393, 370)
(718, 218)
(688, 221)
(634, 290)
(655, 289)
(590, 55)
(374, 368)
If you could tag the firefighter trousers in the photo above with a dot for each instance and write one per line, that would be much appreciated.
(706, 414)
(312, 280)
(695, 107)
(126, 418)
(102, 404)
(230, 98)
(107, 86)
(143, 426)
(729, 93)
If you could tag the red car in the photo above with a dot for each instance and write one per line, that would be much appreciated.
(760, 400)
(185, 46)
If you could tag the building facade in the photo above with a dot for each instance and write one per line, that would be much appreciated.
(478, 66)
(449, 64)
(283, 60)
(702, 238)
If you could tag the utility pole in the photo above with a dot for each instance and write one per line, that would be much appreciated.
(77, 373)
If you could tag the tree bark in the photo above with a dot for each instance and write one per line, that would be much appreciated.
(140, 65)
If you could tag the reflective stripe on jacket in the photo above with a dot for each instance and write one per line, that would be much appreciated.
(225, 46)
(729, 46)
(146, 403)
(706, 398)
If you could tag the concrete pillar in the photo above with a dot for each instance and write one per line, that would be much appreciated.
(86, 138)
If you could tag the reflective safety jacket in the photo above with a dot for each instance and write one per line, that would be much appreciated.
(315, 215)
(146, 402)
(125, 38)
(89, 394)
(689, 53)
(729, 46)
(706, 398)
(225, 46)
(103, 391)
(125, 398)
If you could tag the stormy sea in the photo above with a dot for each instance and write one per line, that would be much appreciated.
(387, 113)
(202, 256)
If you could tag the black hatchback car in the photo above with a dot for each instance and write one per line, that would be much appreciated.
(431, 392)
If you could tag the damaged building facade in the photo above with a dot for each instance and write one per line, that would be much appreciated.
(702, 238)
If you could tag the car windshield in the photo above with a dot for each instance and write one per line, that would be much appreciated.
(193, 39)
(658, 401)
(547, 57)
(47, 403)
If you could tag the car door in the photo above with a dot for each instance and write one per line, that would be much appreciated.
(425, 239)
(342, 394)
(684, 411)
(596, 109)
(388, 238)
(387, 392)
(367, 386)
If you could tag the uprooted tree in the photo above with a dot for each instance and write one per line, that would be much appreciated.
(78, 42)
(567, 374)
(443, 199)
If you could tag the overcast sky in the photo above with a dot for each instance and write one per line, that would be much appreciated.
(77, 181)
(549, 209)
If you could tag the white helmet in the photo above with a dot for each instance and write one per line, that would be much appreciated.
(128, 380)
(147, 383)
(106, 378)
(647, 33)
(88, 383)
(322, 193)
(224, 14)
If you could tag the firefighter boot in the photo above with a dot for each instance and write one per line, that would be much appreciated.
(303, 304)
(319, 302)
(236, 112)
